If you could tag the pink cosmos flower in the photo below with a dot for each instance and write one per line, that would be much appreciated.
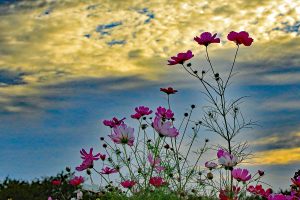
(164, 128)
(168, 90)
(77, 180)
(108, 170)
(211, 165)
(128, 184)
(85, 155)
(157, 181)
(122, 135)
(49, 198)
(164, 113)
(181, 58)
(56, 182)
(140, 112)
(223, 195)
(114, 122)
(296, 181)
(240, 38)
(258, 190)
(241, 174)
(279, 197)
(155, 163)
(226, 159)
(87, 163)
(207, 38)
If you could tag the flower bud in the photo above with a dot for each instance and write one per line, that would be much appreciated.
(68, 169)
(104, 145)
(189, 64)
(144, 126)
(102, 138)
(210, 176)
(186, 114)
(88, 172)
(193, 106)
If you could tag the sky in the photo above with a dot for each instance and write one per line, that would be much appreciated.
(66, 65)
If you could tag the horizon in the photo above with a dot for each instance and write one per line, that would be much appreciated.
(66, 65)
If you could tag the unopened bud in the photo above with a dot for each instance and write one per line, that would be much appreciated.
(210, 176)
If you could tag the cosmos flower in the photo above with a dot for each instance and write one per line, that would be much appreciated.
(223, 195)
(181, 58)
(279, 197)
(87, 163)
(258, 190)
(296, 181)
(241, 174)
(211, 165)
(122, 135)
(207, 38)
(114, 122)
(155, 163)
(164, 128)
(85, 155)
(56, 182)
(157, 181)
(140, 112)
(108, 170)
(168, 90)
(128, 184)
(226, 159)
(77, 180)
(164, 113)
(240, 38)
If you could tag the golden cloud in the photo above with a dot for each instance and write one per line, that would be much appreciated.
(56, 41)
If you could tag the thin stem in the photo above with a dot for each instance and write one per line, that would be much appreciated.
(236, 52)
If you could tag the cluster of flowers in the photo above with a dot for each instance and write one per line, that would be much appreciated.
(145, 160)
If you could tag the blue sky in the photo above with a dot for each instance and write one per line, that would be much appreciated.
(67, 65)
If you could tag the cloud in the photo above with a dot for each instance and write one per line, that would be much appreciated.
(276, 157)
(52, 42)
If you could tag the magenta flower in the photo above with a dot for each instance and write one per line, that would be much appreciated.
(279, 197)
(157, 181)
(77, 180)
(128, 184)
(211, 165)
(155, 163)
(85, 155)
(226, 159)
(241, 174)
(164, 128)
(240, 38)
(56, 182)
(164, 113)
(87, 163)
(207, 38)
(141, 111)
(108, 170)
(258, 190)
(181, 58)
(114, 122)
(122, 135)
(168, 90)
(296, 181)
